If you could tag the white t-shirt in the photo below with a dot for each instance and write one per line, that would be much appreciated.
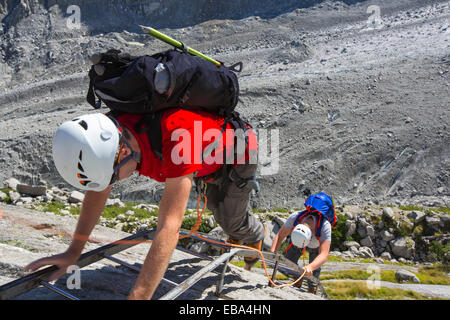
(325, 233)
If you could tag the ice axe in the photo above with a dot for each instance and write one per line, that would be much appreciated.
(179, 45)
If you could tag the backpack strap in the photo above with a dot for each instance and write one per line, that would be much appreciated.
(151, 123)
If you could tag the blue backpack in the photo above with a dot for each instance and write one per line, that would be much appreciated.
(321, 206)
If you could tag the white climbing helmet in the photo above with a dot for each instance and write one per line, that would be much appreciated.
(301, 235)
(84, 151)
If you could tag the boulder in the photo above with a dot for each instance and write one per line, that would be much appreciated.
(349, 244)
(386, 255)
(14, 196)
(378, 260)
(402, 260)
(370, 231)
(60, 198)
(354, 251)
(387, 236)
(115, 203)
(433, 222)
(418, 216)
(76, 197)
(362, 232)
(367, 242)
(142, 227)
(348, 254)
(366, 252)
(3, 196)
(31, 190)
(351, 227)
(445, 222)
(26, 200)
(403, 247)
(12, 183)
(388, 214)
(404, 275)
(200, 247)
(210, 222)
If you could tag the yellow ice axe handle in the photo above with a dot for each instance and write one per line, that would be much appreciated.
(177, 44)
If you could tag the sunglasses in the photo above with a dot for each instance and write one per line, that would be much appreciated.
(118, 163)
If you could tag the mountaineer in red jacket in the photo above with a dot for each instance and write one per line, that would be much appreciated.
(94, 151)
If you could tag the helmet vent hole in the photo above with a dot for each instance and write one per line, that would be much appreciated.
(83, 124)
(80, 156)
(80, 167)
(84, 183)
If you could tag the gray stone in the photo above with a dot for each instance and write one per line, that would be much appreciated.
(367, 242)
(445, 222)
(362, 232)
(363, 223)
(199, 247)
(418, 216)
(433, 222)
(14, 196)
(402, 260)
(31, 190)
(404, 275)
(210, 222)
(370, 231)
(76, 197)
(349, 215)
(351, 227)
(387, 236)
(12, 183)
(115, 203)
(354, 251)
(65, 212)
(349, 244)
(388, 214)
(378, 260)
(386, 255)
(60, 198)
(403, 247)
(3, 196)
(382, 243)
(26, 200)
(366, 252)
(218, 233)
(129, 213)
(142, 227)
(348, 254)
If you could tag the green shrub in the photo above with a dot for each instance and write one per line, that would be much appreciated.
(6, 191)
(189, 222)
(438, 250)
(411, 208)
(338, 234)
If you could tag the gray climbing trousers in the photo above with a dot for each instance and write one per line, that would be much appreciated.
(229, 204)
(294, 253)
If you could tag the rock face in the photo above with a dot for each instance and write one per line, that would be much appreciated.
(40, 234)
(384, 158)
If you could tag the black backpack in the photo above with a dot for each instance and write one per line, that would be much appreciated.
(150, 84)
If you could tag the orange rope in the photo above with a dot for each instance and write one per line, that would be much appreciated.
(197, 225)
